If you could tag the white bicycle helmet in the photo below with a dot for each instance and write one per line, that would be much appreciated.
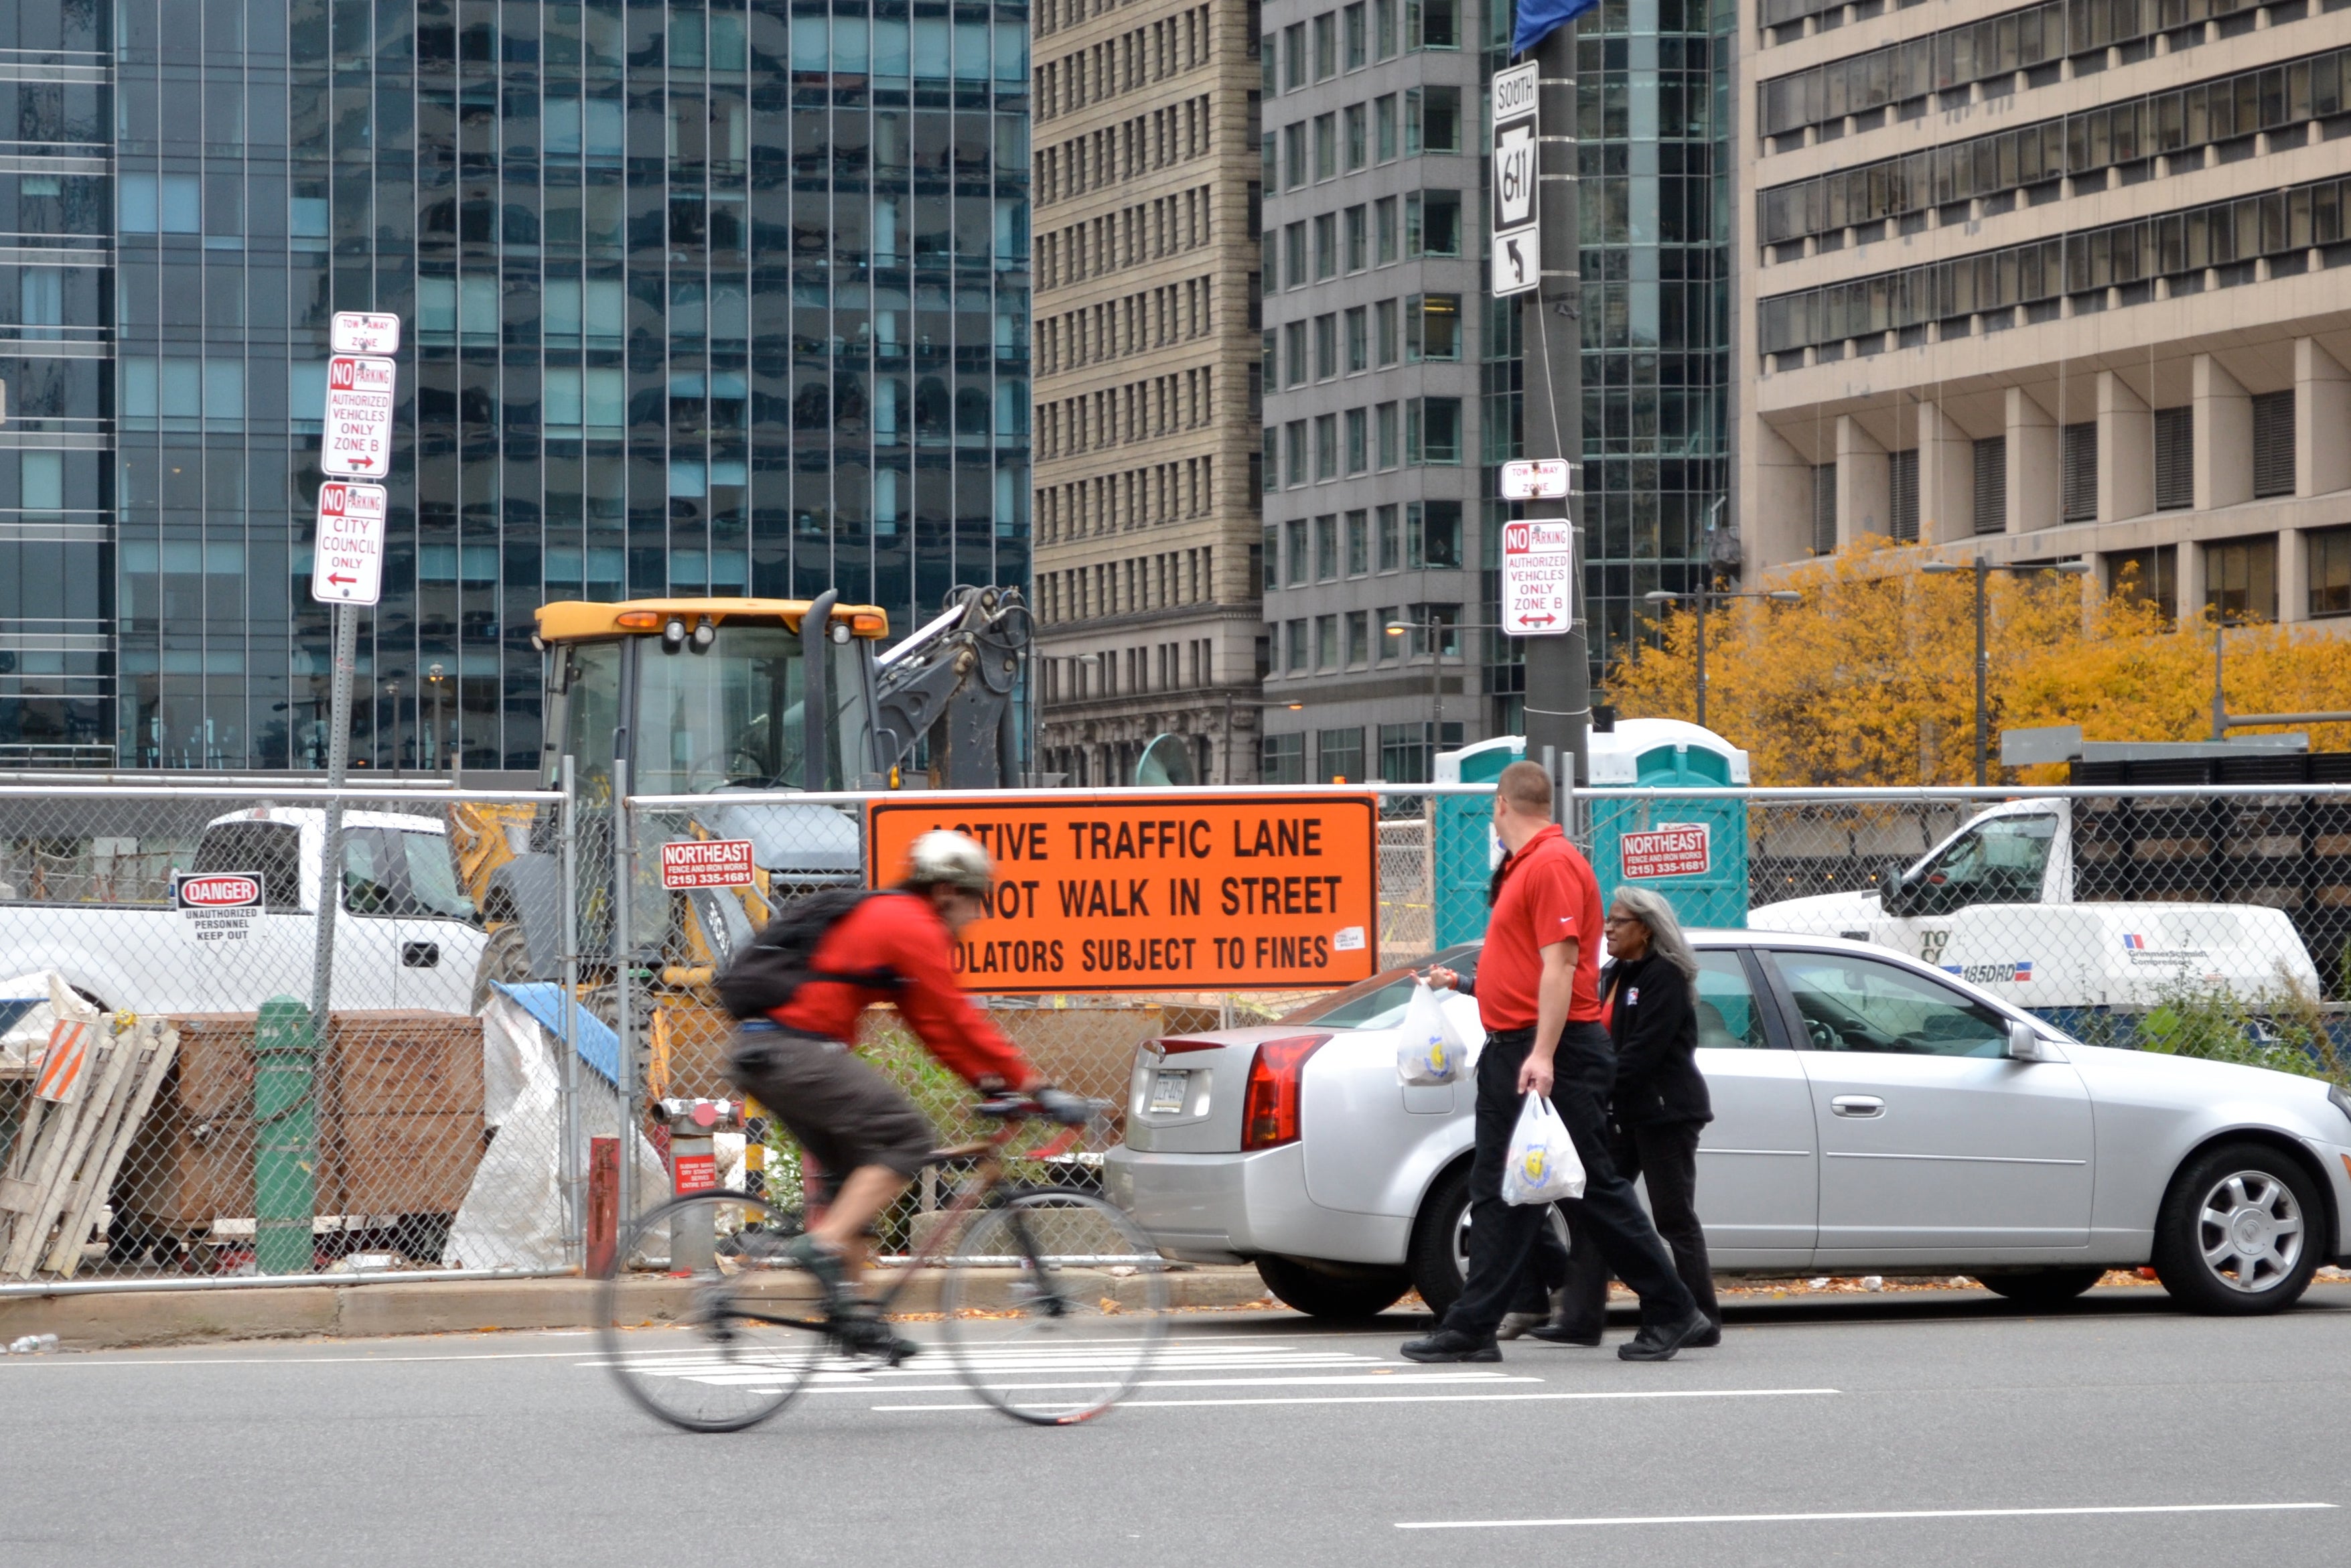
(944, 857)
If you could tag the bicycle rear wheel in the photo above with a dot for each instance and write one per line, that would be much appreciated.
(1054, 1306)
(745, 1332)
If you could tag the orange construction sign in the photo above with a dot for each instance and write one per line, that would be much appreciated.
(1195, 891)
(62, 1063)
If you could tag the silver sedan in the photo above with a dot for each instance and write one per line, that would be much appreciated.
(1871, 1113)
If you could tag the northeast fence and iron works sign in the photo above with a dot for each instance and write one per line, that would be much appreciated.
(1177, 892)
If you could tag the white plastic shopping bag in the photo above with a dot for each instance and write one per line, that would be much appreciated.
(1543, 1166)
(1429, 1048)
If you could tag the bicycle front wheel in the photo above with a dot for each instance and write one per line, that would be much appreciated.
(1054, 1306)
(742, 1333)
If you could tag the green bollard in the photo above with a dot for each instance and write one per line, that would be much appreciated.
(285, 1138)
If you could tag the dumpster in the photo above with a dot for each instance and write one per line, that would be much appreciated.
(1692, 852)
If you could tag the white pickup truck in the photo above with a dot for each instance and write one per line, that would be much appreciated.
(407, 935)
(2012, 902)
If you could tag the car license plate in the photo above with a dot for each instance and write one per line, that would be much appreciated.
(1168, 1090)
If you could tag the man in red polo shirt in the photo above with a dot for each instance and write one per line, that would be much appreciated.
(1538, 992)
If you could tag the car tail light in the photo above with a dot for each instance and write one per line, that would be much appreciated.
(1178, 1047)
(1270, 1107)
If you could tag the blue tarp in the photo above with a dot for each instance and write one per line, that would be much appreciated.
(1538, 19)
(597, 1046)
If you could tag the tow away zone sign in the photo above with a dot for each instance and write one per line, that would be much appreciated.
(347, 563)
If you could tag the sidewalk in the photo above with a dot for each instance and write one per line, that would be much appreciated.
(349, 1309)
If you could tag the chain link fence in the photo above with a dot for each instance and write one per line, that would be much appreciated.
(515, 990)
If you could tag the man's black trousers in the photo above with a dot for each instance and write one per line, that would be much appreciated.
(1664, 1158)
(1584, 1071)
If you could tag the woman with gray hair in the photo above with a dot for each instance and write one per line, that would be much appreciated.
(1659, 1105)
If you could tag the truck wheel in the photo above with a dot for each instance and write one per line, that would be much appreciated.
(505, 957)
(2042, 1289)
(2239, 1232)
(1321, 1293)
(1439, 1259)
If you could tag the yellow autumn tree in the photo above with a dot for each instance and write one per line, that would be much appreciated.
(1870, 677)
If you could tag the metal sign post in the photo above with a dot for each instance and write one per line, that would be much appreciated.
(346, 573)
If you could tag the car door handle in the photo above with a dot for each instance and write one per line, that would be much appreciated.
(1857, 1106)
(420, 955)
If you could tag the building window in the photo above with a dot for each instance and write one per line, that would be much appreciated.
(1359, 441)
(2330, 572)
(1359, 339)
(1992, 485)
(1902, 482)
(1384, 127)
(1326, 347)
(1293, 243)
(1300, 564)
(1432, 327)
(2175, 459)
(1326, 45)
(1299, 650)
(2241, 578)
(1326, 642)
(1326, 447)
(1293, 56)
(1282, 759)
(2273, 444)
(1293, 155)
(1384, 648)
(1341, 753)
(1359, 239)
(1270, 555)
(1405, 754)
(1326, 246)
(1824, 521)
(1358, 31)
(1432, 534)
(1359, 543)
(1269, 460)
(1432, 431)
(1296, 471)
(1359, 638)
(1326, 146)
(1384, 332)
(1431, 25)
(1384, 28)
(1294, 348)
(1432, 120)
(1384, 431)
(1391, 540)
(1432, 223)
(1326, 548)
(1384, 231)
(2145, 576)
(2080, 460)
(1359, 136)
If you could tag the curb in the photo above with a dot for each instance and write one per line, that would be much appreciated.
(388, 1308)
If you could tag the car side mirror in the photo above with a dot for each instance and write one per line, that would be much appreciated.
(1891, 892)
(2025, 1044)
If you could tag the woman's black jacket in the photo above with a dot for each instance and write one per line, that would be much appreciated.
(1653, 1023)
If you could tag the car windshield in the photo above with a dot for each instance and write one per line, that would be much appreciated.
(1378, 1002)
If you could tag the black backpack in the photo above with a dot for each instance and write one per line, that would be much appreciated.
(779, 960)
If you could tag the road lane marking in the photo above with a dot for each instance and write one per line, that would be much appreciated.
(1873, 1514)
(1437, 1399)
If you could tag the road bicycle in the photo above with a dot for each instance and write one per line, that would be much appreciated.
(1052, 1304)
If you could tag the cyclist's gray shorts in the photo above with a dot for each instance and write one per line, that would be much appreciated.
(841, 1110)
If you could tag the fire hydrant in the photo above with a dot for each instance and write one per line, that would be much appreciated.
(694, 1126)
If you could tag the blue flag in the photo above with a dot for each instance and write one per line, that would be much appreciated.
(1538, 19)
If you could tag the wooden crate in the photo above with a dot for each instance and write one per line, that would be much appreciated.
(408, 1164)
(397, 1064)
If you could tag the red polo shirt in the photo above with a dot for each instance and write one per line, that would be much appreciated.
(1547, 895)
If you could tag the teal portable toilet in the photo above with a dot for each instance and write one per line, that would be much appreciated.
(1692, 852)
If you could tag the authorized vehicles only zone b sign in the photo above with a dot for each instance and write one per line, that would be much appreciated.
(1538, 577)
(359, 389)
(1139, 892)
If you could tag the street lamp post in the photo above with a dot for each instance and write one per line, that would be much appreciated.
(1982, 570)
(433, 673)
(1705, 593)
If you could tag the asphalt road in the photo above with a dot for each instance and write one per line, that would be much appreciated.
(1943, 1428)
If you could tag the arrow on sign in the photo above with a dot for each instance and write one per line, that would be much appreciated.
(1538, 620)
(1518, 262)
(339, 577)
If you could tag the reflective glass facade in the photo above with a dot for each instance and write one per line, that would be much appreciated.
(700, 299)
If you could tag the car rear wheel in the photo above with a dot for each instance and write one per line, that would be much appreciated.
(1439, 1261)
(1326, 1293)
(2041, 1287)
(2239, 1231)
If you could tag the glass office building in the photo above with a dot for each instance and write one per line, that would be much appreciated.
(1653, 143)
(700, 299)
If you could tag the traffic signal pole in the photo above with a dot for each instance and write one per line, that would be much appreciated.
(1558, 669)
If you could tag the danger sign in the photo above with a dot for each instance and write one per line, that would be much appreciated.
(347, 561)
(1671, 849)
(1268, 890)
(1538, 577)
(358, 416)
(706, 862)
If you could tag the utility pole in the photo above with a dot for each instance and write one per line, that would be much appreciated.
(1558, 669)
(1982, 570)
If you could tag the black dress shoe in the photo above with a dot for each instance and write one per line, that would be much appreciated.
(1706, 1340)
(1560, 1334)
(1451, 1344)
(1660, 1344)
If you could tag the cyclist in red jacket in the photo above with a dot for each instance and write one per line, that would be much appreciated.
(867, 1137)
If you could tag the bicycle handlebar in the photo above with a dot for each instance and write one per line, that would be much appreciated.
(1020, 1107)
